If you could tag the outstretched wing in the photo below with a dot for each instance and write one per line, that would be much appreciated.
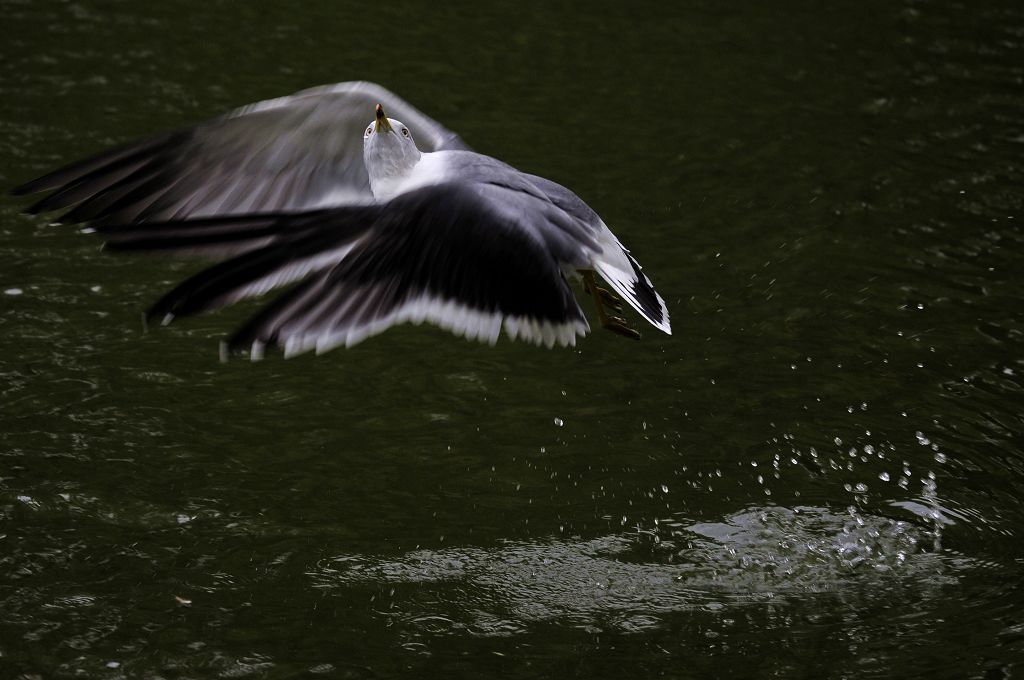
(289, 154)
(443, 253)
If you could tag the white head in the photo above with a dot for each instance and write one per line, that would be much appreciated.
(389, 151)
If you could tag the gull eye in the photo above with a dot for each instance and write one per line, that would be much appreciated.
(405, 131)
(369, 129)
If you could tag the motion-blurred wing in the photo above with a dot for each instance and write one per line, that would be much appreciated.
(289, 154)
(442, 254)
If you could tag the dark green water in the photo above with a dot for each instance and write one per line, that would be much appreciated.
(817, 476)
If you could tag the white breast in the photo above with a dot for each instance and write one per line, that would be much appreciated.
(431, 168)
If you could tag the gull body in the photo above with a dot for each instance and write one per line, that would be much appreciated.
(371, 234)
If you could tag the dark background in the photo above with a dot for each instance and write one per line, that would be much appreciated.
(816, 476)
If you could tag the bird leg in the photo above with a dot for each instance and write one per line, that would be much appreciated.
(601, 298)
(609, 298)
(605, 295)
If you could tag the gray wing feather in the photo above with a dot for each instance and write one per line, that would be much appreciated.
(565, 199)
(288, 154)
(574, 232)
(567, 226)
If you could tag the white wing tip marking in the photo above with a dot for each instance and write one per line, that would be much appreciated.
(621, 281)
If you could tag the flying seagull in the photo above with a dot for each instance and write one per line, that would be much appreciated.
(376, 222)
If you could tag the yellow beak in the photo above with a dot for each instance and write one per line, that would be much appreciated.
(381, 122)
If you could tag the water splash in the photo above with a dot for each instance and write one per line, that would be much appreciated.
(636, 576)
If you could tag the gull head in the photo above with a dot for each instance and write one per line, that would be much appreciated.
(389, 151)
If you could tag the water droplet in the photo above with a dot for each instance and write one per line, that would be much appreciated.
(559, 422)
(884, 476)
(940, 457)
(13, 291)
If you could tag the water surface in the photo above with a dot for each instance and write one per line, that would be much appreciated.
(817, 475)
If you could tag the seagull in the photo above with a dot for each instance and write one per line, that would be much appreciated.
(368, 223)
